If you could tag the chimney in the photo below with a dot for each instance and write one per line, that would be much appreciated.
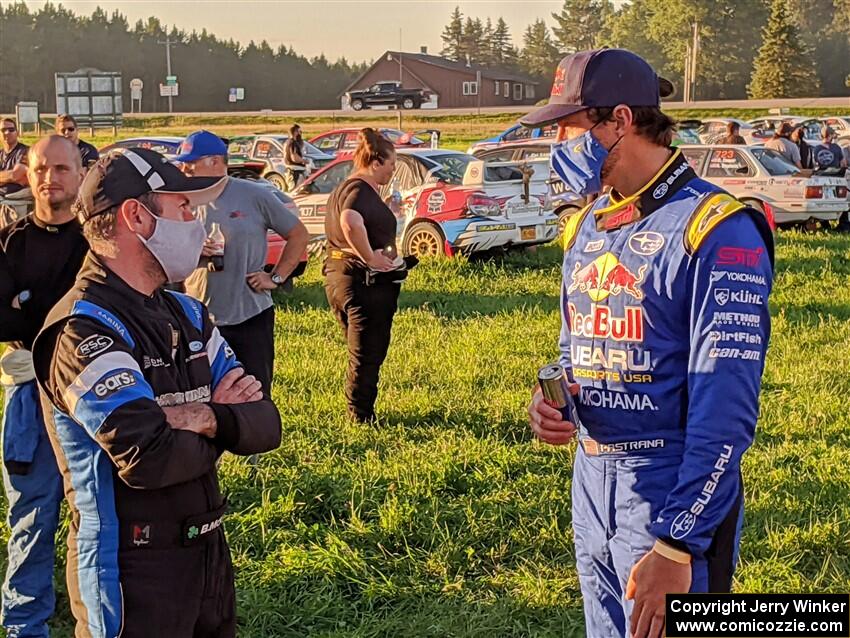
(468, 61)
(423, 50)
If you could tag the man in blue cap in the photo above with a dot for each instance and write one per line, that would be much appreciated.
(664, 332)
(238, 295)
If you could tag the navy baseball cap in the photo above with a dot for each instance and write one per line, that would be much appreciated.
(596, 79)
(200, 144)
(124, 174)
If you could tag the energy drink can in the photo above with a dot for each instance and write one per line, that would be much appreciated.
(556, 390)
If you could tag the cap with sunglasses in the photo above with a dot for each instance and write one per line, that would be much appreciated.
(597, 79)
(130, 173)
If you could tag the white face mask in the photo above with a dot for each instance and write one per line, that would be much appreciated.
(176, 245)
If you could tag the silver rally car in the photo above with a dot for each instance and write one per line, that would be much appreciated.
(764, 179)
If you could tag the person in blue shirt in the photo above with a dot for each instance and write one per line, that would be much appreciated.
(828, 154)
(665, 326)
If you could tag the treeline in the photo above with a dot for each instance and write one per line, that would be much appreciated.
(748, 48)
(36, 44)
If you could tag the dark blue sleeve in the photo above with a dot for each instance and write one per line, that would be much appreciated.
(729, 280)
(564, 341)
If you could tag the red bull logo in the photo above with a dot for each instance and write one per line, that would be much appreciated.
(600, 323)
(605, 276)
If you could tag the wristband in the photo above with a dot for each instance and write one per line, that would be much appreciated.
(676, 555)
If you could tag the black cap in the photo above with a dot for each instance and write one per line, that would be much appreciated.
(600, 78)
(129, 173)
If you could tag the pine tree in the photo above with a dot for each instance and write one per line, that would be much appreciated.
(580, 23)
(452, 37)
(503, 53)
(472, 42)
(783, 67)
(539, 54)
(486, 54)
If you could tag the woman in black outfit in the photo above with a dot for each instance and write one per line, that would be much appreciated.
(360, 283)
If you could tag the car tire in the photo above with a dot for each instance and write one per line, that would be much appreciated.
(357, 105)
(424, 239)
(277, 180)
(408, 103)
(563, 215)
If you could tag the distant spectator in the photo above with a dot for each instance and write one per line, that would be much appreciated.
(798, 136)
(66, 126)
(828, 154)
(781, 143)
(733, 134)
(293, 156)
(13, 159)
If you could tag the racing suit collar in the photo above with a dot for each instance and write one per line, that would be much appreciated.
(94, 270)
(621, 211)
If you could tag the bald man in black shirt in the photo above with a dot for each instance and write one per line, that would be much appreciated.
(40, 255)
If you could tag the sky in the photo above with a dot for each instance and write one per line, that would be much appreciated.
(359, 30)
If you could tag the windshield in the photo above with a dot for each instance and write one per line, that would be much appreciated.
(688, 136)
(452, 166)
(773, 162)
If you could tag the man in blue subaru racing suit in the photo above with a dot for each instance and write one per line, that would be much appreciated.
(665, 327)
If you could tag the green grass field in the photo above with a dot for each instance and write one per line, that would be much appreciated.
(446, 518)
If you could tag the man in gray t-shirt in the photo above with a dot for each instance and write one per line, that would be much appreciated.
(239, 295)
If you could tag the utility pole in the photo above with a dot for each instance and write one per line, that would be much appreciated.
(168, 42)
(400, 65)
(695, 57)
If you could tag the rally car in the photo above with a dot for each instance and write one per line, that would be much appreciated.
(516, 133)
(450, 202)
(713, 129)
(766, 126)
(345, 140)
(764, 179)
(237, 165)
(166, 145)
(268, 149)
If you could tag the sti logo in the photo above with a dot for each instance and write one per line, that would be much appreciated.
(605, 276)
(734, 256)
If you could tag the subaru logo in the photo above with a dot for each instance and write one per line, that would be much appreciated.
(682, 525)
(660, 190)
(196, 346)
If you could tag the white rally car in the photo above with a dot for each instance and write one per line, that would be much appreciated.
(764, 179)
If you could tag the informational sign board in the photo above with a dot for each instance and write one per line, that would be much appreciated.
(136, 86)
(92, 96)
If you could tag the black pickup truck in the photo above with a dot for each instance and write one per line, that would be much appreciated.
(386, 93)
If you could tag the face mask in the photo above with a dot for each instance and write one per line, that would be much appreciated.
(176, 246)
(578, 163)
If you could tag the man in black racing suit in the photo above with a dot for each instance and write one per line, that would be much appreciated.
(141, 396)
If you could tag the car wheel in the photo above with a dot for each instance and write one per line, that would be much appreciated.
(408, 103)
(278, 181)
(563, 215)
(357, 105)
(424, 240)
